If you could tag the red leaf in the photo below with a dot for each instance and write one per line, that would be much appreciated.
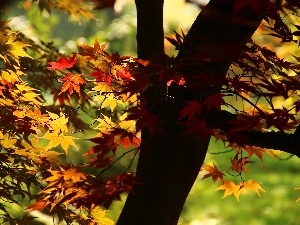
(193, 108)
(63, 63)
(214, 101)
(197, 126)
(144, 119)
(100, 76)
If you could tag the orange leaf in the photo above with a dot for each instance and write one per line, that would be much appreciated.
(72, 83)
(38, 205)
(252, 150)
(93, 52)
(239, 165)
(213, 172)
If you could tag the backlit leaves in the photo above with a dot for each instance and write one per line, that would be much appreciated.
(63, 63)
(213, 172)
(11, 49)
(108, 88)
(230, 188)
(72, 83)
(75, 10)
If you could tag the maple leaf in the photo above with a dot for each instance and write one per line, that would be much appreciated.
(251, 185)
(101, 76)
(72, 83)
(63, 63)
(69, 174)
(126, 142)
(109, 101)
(230, 188)
(140, 82)
(192, 109)
(59, 139)
(213, 172)
(197, 126)
(99, 215)
(11, 49)
(38, 205)
(214, 101)
(105, 124)
(280, 118)
(144, 119)
(252, 150)
(93, 52)
(57, 123)
(239, 165)
(7, 141)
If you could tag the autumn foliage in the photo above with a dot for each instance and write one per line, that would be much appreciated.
(34, 134)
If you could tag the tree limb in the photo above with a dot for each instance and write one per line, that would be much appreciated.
(289, 143)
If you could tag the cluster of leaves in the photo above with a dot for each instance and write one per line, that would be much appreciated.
(76, 10)
(257, 80)
(106, 76)
(110, 85)
(30, 133)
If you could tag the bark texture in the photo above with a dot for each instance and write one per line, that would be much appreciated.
(169, 161)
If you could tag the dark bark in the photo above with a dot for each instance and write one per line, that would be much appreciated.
(150, 34)
(169, 162)
(289, 143)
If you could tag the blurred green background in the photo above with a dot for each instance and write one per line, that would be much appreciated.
(205, 206)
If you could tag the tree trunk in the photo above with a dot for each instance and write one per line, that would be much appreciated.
(169, 162)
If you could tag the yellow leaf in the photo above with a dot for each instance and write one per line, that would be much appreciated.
(105, 124)
(129, 98)
(110, 101)
(99, 215)
(69, 174)
(6, 102)
(36, 152)
(230, 188)
(76, 11)
(56, 139)
(251, 185)
(9, 76)
(123, 116)
(128, 125)
(18, 49)
(68, 141)
(101, 87)
(6, 141)
(58, 123)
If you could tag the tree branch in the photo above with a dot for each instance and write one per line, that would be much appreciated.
(150, 33)
(289, 143)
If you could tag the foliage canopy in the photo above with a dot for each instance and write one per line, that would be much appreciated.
(34, 134)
